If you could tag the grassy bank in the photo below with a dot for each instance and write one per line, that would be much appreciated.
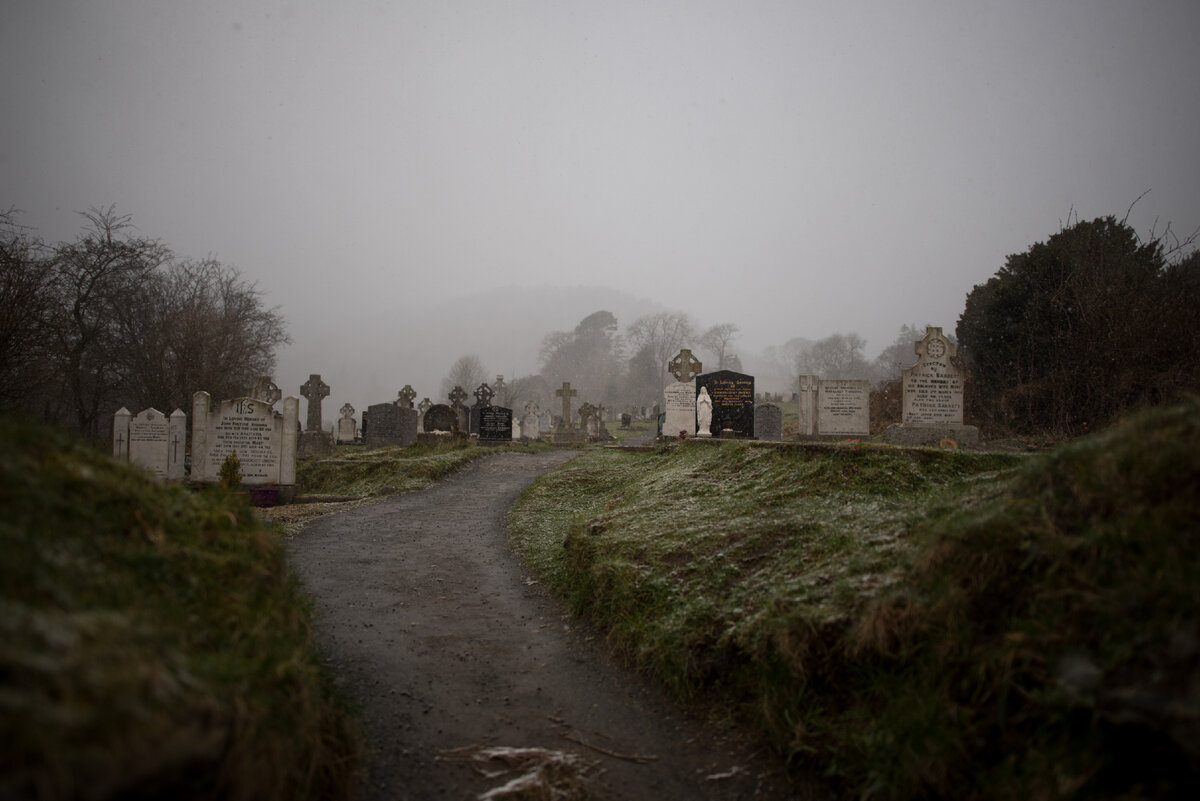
(377, 472)
(919, 623)
(153, 644)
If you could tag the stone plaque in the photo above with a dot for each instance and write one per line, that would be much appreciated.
(679, 399)
(843, 408)
(732, 402)
(495, 424)
(440, 417)
(933, 387)
(768, 422)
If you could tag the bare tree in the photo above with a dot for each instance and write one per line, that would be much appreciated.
(659, 337)
(468, 372)
(95, 277)
(717, 340)
(26, 283)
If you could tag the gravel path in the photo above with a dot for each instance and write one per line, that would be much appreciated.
(430, 622)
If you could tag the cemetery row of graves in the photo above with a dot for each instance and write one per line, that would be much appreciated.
(715, 405)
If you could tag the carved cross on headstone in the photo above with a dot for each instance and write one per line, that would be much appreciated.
(175, 448)
(684, 366)
(531, 407)
(121, 445)
(264, 389)
(483, 395)
(314, 389)
(347, 411)
(566, 393)
(457, 396)
(404, 397)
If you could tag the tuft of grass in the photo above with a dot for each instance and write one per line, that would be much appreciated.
(152, 642)
(920, 623)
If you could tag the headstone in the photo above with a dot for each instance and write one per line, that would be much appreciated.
(516, 429)
(440, 417)
(566, 393)
(495, 424)
(483, 397)
(684, 366)
(679, 400)
(462, 415)
(391, 425)
(121, 434)
(422, 407)
(531, 423)
(501, 390)
(314, 390)
(265, 440)
(732, 402)
(264, 389)
(626, 420)
(404, 398)
(545, 423)
(346, 426)
(152, 440)
(768, 422)
(933, 396)
(807, 398)
(149, 437)
(843, 408)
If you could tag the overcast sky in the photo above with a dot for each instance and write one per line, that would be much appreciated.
(796, 168)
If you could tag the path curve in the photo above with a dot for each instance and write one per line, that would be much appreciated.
(430, 622)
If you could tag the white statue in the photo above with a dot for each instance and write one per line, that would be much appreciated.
(703, 413)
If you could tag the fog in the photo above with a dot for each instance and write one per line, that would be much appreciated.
(411, 182)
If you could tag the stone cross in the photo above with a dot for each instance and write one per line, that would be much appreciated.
(405, 397)
(347, 411)
(684, 366)
(531, 407)
(424, 405)
(265, 390)
(483, 395)
(566, 393)
(457, 396)
(314, 389)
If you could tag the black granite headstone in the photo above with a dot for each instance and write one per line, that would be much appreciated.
(495, 424)
(732, 401)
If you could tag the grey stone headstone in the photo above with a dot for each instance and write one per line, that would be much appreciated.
(768, 422)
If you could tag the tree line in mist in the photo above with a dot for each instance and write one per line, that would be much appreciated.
(112, 319)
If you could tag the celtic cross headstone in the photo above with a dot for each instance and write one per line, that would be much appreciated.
(314, 389)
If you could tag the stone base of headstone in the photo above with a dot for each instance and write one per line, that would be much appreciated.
(570, 436)
(438, 437)
(729, 434)
(901, 434)
(314, 443)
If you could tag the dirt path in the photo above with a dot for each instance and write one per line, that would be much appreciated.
(428, 618)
